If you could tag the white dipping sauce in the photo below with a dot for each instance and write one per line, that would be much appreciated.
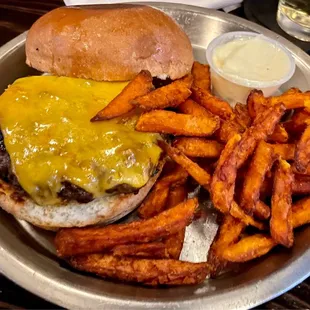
(252, 59)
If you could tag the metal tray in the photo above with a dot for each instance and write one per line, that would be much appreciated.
(27, 254)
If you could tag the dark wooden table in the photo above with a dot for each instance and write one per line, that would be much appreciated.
(16, 16)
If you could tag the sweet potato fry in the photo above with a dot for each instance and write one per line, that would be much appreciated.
(228, 129)
(262, 126)
(223, 181)
(177, 195)
(211, 103)
(189, 106)
(302, 152)
(157, 198)
(256, 103)
(301, 117)
(222, 189)
(279, 135)
(249, 248)
(227, 234)
(237, 124)
(200, 175)
(121, 104)
(285, 151)
(297, 124)
(167, 96)
(151, 250)
(261, 163)
(292, 99)
(176, 177)
(174, 243)
(239, 214)
(301, 185)
(75, 241)
(201, 74)
(198, 147)
(171, 246)
(242, 115)
(281, 228)
(261, 211)
(177, 124)
(150, 272)
(155, 201)
(301, 212)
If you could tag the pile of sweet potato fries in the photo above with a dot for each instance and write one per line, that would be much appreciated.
(253, 159)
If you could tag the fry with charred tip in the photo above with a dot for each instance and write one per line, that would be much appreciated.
(249, 248)
(194, 170)
(201, 74)
(157, 198)
(281, 227)
(213, 104)
(75, 241)
(177, 124)
(198, 147)
(149, 272)
(261, 163)
(121, 104)
(302, 152)
(167, 96)
(227, 234)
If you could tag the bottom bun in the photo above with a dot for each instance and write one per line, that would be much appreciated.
(102, 210)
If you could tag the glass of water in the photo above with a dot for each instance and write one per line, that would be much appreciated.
(294, 18)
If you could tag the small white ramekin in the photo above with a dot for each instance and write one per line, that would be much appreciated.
(237, 89)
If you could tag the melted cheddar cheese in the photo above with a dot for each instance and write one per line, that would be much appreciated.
(47, 132)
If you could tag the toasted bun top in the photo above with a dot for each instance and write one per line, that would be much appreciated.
(111, 43)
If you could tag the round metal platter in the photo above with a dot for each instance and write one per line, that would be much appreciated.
(27, 254)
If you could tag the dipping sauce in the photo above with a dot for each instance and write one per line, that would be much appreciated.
(252, 59)
(241, 61)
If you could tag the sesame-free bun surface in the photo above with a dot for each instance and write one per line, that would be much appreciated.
(111, 43)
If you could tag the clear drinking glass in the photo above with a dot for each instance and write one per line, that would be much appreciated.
(294, 18)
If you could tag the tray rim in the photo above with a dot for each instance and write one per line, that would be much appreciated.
(279, 282)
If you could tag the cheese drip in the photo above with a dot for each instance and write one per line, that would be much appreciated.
(47, 132)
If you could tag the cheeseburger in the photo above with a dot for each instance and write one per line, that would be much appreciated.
(58, 168)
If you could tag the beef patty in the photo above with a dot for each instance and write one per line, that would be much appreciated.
(68, 191)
